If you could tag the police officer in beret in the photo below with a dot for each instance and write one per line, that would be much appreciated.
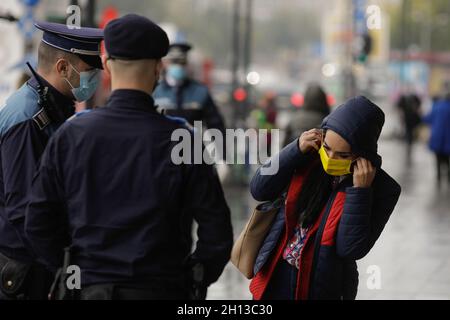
(68, 70)
(109, 176)
(179, 95)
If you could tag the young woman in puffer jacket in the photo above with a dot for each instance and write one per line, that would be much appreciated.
(337, 202)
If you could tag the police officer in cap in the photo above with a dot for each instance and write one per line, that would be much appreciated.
(68, 70)
(109, 175)
(179, 95)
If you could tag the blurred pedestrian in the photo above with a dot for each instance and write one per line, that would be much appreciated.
(108, 189)
(270, 110)
(337, 203)
(439, 121)
(315, 108)
(269, 105)
(264, 117)
(410, 108)
(68, 70)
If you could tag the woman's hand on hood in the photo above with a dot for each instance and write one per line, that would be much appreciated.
(310, 140)
(363, 173)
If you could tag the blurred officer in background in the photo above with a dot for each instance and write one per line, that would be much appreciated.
(108, 175)
(179, 95)
(68, 63)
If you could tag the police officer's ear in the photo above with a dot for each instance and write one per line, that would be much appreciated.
(62, 67)
(159, 68)
(105, 65)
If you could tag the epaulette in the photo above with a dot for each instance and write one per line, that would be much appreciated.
(79, 113)
(181, 121)
(178, 120)
(42, 119)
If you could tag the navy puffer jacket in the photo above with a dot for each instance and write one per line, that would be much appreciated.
(351, 222)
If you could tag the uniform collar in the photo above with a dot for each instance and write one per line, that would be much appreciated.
(60, 99)
(132, 99)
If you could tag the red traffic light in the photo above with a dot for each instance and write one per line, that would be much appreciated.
(331, 100)
(297, 100)
(240, 94)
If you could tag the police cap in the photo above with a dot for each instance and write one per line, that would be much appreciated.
(83, 42)
(178, 52)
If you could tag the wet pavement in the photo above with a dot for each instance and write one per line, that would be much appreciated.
(412, 255)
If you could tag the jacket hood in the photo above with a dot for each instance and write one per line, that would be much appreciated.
(359, 121)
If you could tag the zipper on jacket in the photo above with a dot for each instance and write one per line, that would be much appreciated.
(318, 239)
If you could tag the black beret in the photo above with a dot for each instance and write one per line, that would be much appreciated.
(133, 37)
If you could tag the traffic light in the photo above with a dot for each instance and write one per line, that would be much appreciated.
(297, 100)
(240, 95)
(365, 47)
(331, 100)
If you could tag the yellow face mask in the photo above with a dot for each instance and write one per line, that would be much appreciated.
(334, 167)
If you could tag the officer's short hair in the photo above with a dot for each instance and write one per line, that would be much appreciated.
(132, 68)
(48, 56)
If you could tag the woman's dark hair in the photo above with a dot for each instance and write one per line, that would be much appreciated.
(316, 100)
(314, 195)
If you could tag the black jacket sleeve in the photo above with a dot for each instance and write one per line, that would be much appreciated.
(45, 223)
(366, 212)
(205, 200)
(21, 147)
(267, 187)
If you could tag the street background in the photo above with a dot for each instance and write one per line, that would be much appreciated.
(252, 51)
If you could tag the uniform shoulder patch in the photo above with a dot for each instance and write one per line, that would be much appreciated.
(79, 114)
(181, 121)
(42, 119)
(22, 105)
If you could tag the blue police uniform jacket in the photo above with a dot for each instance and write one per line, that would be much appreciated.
(191, 100)
(108, 177)
(22, 142)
